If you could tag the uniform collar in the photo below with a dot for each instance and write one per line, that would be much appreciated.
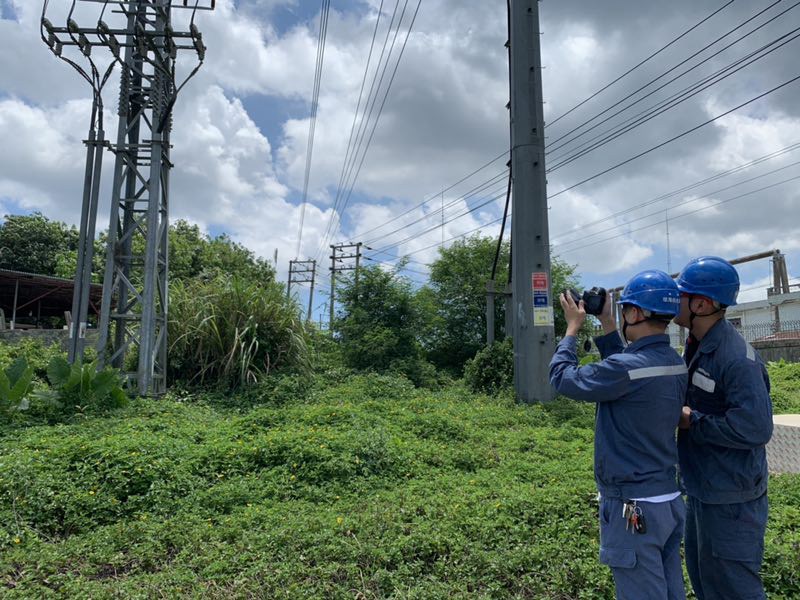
(659, 338)
(713, 336)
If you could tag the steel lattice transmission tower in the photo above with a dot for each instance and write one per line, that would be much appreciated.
(133, 314)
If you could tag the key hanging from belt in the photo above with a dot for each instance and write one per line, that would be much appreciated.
(634, 518)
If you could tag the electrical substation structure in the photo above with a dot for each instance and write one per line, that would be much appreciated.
(133, 314)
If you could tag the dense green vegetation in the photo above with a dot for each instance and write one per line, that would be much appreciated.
(785, 393)
(231, 331)
(367, 488)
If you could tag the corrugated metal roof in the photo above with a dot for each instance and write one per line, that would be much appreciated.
(34, 276)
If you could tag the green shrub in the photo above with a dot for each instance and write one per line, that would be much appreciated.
(233, 332)
(492, 369)
(35, 353)
(78, 388)
(418, 370)
(785, 387)
(15, 384)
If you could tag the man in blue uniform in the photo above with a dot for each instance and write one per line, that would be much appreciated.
(721, 442)
(639, 391)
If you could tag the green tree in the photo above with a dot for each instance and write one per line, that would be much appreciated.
(455, 299)
(378, 325)
(195, 254)
(35, 244)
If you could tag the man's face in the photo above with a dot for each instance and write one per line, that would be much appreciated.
(701, 305)
(684, 315)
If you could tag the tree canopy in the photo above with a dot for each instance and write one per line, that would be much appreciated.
(456, 299)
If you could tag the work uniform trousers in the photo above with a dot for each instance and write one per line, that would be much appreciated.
(725, 547)
(646, 566)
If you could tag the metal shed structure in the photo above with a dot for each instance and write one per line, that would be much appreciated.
(28, 298)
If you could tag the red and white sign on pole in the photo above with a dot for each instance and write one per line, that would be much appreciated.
(542, 311)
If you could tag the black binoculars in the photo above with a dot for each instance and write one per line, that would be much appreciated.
(593, 299)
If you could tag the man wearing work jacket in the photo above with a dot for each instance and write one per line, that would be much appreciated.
(721, 442)
(639, 391)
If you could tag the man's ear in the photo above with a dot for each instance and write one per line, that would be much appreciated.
(705, 303)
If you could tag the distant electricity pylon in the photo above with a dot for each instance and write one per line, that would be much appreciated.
(133, 313)
(303, 271)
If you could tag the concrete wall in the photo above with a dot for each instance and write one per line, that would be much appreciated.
(46, 336)
(774, 350)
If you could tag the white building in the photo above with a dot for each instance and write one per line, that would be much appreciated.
(762, 318)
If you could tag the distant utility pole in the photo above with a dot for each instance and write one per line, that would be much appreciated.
(302, 271)
(338, 256)
(533, 334)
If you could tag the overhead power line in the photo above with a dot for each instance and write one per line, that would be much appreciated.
(640, 63)
(665, 73)
(361, 234)
(353, 142)
(323, 33)
(435, 227)
(354, 178)
(670, 102)
(581, 228)
(677, 137)
(466, 196)
(345, 195)
(683, 203)
(361, 92)
(682, 215)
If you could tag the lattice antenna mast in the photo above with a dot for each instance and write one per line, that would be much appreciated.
(134, 308)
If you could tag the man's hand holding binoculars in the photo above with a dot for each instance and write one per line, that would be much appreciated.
(575, 314)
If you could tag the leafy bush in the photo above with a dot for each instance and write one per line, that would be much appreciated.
(35, 353)
(15, 383)
(233, 331)
(418, 370)
(78, 388)
(492, 368)
(785, 387)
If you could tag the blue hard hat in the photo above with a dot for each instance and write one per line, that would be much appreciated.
(712, 277)
(652, 290)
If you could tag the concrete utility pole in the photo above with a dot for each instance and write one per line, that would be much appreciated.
(533, 334)
(302, 271)
(337, 257)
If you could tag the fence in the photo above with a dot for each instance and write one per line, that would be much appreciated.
(770, 330)
(755, 332)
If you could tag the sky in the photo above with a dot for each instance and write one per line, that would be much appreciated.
(241, 129)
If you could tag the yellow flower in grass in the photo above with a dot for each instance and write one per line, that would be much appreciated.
(339, 520)
(17, 540)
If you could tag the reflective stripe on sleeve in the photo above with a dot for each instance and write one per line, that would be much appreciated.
(657, 371)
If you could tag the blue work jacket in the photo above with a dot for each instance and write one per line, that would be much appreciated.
(639, 391)
(723, 457)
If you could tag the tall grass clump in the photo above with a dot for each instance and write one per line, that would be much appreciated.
(233, 332)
